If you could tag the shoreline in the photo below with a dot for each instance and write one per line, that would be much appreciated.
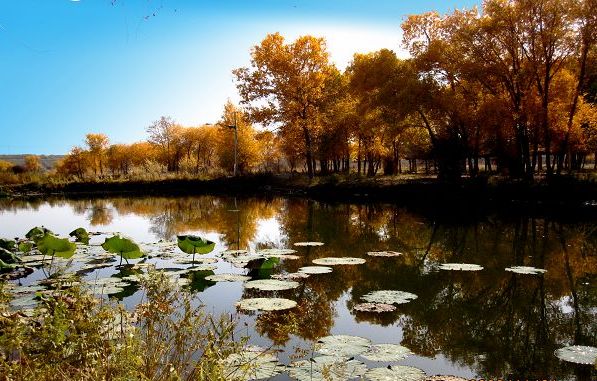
(560, 195)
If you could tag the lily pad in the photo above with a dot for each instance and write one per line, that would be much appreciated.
(123, 246)
(192, 244)
(266, 304)
(308, 244)
(384, 253)
(290, 276)
(332, 261)
(342, 345)
(275, 252)
(49, 244)
(8, 244)
(389, 297)
(395, 373)
(374, 307)
(311, 270)
(234, 252)
(253, 363)
(326, 368)
(460, 267)
(37, 233)
(526, 270)
(25, 246)
(578, 354)
(228, 278)
(387, 353)
(80, 235)
(271, 284)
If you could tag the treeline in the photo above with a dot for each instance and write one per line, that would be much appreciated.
(509, 88)
(513, 83)
(205, 150)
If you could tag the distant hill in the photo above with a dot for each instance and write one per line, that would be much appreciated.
(47, 161)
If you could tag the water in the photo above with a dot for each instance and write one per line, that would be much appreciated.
(489, 323)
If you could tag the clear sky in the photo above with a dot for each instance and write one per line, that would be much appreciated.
(113, 66)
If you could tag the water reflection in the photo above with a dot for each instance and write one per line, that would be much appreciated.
(496, 323)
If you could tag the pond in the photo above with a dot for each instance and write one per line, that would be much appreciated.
(489, 323)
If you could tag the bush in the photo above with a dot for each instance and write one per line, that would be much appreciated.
(72, 335)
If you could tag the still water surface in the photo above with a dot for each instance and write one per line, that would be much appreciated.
(489, 323)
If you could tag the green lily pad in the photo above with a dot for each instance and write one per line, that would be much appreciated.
(8, 256)
(51, 245)
(37, 233)
(265, 304)
(389, 297)
(342, 345)
(326, 368)
(395, 373)
(578, 354)
(25, 246)
(275, 252)
(387, 353)
(123, 246)
(290, 276)
(333, 261)
(192, 244)
(8, 244)
(80, 235)
(271, 284)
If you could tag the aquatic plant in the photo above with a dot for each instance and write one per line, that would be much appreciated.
(389, 297)
(387, 353)
(265, 304)
(308, 244)
(333, 261)
(192, 244)
(228, 278)
(271, 284)
(252, 363)
(123, 246)
(395, 373)
(374, 307)
(526, 270)
(311, 270)
(460, 267)
(326, 368)
(342, 345)
(384, 253)
(81, 235)
(578, 354)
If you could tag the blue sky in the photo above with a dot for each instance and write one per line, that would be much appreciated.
(72, 67)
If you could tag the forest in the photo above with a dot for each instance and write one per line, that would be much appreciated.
(507, 89)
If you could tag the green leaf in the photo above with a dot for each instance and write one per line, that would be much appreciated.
(25, 246)
(192, 244)
(8, 257)
(80, 235)
(7, 244)
(49, 244)
(6, 266)
(37, 233)
(125, 247)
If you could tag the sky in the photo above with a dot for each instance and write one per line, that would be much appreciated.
(69, 67)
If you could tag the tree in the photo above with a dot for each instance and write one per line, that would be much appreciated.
(166, 135)
(97, 144)
(285, 85)
(32, 163)
(248, 154)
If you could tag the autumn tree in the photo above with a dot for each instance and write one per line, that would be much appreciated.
(97, 144)
(166, 136)
(285, 86)
(248, 154)
(32, 163)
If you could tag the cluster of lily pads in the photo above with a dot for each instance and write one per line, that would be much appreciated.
(339, 357)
